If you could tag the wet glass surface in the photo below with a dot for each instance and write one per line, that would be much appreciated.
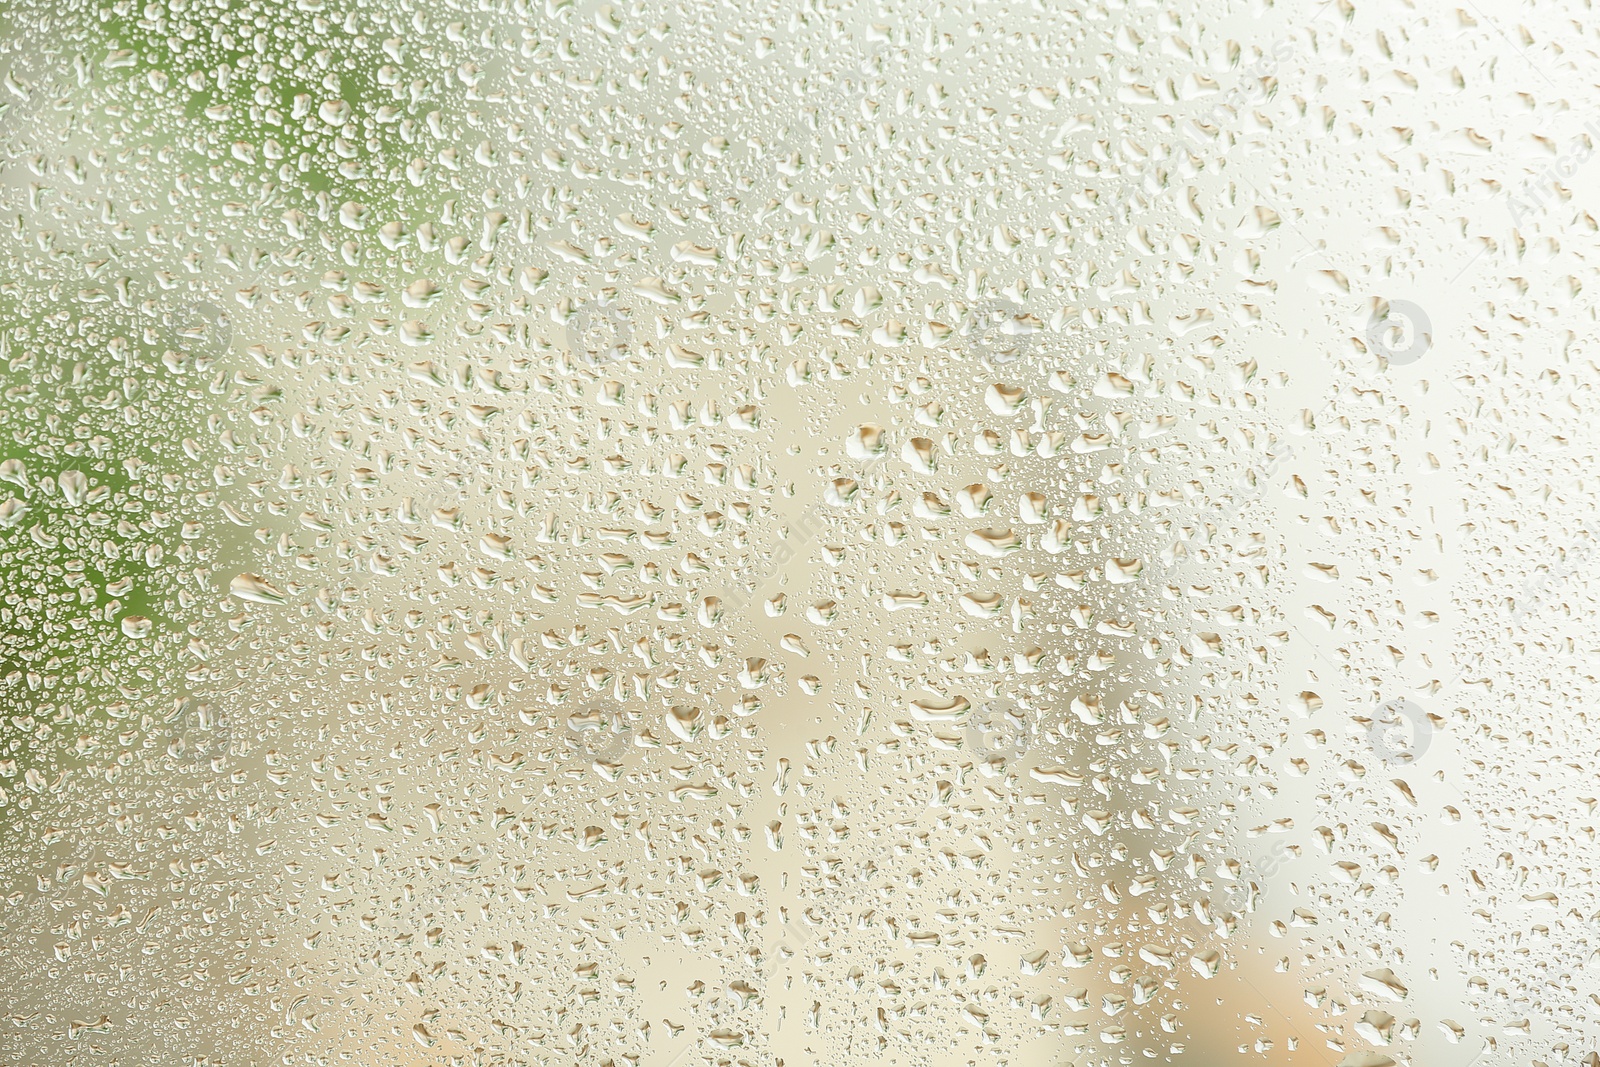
(634, 534)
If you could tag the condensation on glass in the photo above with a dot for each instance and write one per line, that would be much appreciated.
(722, 533)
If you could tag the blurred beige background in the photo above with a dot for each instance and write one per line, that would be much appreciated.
(601, 533)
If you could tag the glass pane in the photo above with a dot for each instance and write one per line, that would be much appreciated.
(722, 533)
